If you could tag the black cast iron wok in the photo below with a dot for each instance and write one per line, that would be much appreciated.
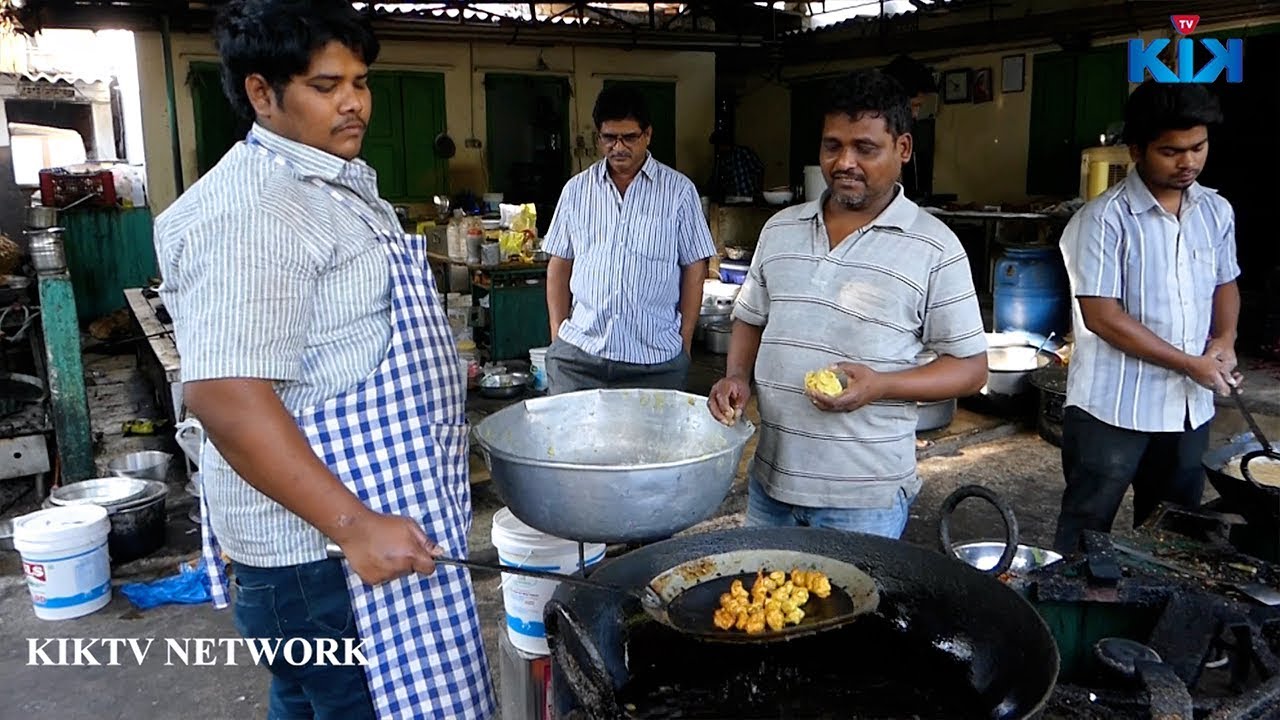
(1259, 504)
(989, 643)
(684, 597)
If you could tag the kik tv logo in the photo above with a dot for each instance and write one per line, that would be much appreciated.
(1229, 57)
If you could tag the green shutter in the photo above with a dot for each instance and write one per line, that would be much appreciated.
(426, 174)
(218, 127)
(1074, 97)
(384, 140)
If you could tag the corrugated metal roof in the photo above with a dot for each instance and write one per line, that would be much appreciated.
(925, 6)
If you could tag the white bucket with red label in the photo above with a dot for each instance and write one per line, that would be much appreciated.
(64, 556)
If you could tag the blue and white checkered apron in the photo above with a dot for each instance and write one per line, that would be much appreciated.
(400, 442)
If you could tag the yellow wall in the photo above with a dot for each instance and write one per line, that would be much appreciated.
(980, 149)
(464, 67)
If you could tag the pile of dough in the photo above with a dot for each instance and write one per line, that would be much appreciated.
(824, 382)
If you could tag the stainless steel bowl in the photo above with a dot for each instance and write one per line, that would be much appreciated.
(505, 384)
(146, 465)
(108, 492)
(612, 466)
(984, 554)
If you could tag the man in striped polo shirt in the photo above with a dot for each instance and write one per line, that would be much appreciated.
(864, 280)
(1152, 263)
(628, 247)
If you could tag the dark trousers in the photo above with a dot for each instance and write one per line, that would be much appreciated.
(1100, 461)
(303, 601)
(569, 369)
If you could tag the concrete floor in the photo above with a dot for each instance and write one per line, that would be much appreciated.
(976, 450)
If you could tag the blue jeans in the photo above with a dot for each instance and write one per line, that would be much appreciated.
(303, 601)
(764, 511)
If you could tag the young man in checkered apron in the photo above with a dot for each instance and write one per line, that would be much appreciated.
(322, 366)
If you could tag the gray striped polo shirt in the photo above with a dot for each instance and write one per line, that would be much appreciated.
(627, 254)
(897, 286)
(1164, 270)
(267, 276)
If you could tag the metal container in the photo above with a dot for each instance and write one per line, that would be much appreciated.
(108, 492)
(933, 415)
(137, 525)
(41, 216)
(505, 384)
(984, 554)
(47, 250)
(612, 466)
(1009, 369)
(147, 465)
(718, 336)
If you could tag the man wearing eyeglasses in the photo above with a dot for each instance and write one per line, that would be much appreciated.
(628, 247)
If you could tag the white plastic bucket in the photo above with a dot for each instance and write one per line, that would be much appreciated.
(523, 597)
(64, 556)
(538, 366)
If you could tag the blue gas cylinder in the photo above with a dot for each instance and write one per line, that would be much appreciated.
(1031, 291)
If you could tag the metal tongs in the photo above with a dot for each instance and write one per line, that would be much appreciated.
(1267, 451)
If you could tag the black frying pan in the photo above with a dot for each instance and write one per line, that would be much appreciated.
(685, 598)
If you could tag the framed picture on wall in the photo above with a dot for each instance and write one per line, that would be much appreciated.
(982, 91)
(955, 86)
(1013, 73)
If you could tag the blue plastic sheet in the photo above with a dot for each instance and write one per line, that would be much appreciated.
(189, 587)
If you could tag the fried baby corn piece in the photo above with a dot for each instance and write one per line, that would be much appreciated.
(823, 382)
(725, 619)
(775, 619)
(820, 586)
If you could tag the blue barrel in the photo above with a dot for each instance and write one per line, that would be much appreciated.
(1031, 291)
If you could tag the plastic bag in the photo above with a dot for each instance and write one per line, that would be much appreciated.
(189, 587)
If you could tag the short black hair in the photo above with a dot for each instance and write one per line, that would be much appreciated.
(1154, 108)
(870, 92)
(915, 78)
(276, 39)
(620, 102)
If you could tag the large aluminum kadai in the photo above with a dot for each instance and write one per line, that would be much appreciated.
(612, 466)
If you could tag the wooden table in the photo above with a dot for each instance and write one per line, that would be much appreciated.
(158, 356)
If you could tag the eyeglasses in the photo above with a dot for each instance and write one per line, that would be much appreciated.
(610, 139)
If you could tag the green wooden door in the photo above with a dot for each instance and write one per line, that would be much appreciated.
(527, 121)
(383, 145)
(422, 97)
(1051, 159)
(660, 97)
(806, 126)
(218, 127)
(1074, 98)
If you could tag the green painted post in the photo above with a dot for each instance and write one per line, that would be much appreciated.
(68, 399)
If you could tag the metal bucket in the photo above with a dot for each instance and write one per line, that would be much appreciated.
(47, 250)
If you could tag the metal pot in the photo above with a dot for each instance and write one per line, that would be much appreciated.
(718, 336)
(137, 525)
(935, 415)
(46, 249)
(42, 216)
(1009, 368)
(612, 466)
(984, 650)
(1051, 382)
(1259, 504)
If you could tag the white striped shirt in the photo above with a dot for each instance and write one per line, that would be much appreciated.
(1164, 271)
(627, 254)
(898, 285)
(267, 276)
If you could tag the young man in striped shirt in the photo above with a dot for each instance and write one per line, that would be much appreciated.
(1152, 263)
(865, 280)
(628, 246)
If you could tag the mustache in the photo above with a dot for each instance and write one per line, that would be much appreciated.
(848, 176)
(350, 121)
